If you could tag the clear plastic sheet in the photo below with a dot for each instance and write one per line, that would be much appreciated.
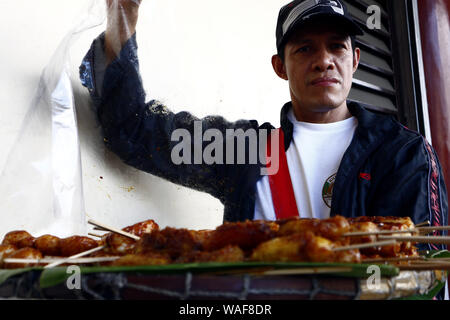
(41, 183)
(59, 172)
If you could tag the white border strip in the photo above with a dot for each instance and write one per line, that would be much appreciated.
(421, 70)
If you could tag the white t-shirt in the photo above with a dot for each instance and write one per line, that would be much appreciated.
(313, 160)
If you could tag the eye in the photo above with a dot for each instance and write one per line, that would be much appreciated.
(303, 49)
(339, 46)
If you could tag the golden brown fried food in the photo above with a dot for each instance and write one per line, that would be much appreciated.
(174, 242)
(305, 247)
(365, 227)
(201, 237)
(285, 249)
(226, 254)
(142, 260)
(247, 235)
(388, 224)
(20, 239)
(49, 245)
(76, 244)
(140, 228)
(118, 244)
(293, 226)
(332, 228)
(23, 253)
(5, 250)
(320, 249)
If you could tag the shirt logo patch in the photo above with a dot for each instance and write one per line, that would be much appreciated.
(327, 190)
(365, 176)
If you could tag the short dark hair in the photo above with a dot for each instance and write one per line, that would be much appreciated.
(352, 39)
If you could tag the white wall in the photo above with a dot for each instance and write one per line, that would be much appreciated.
(204, 56)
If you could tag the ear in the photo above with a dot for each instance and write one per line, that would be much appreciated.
(278, 67)
(356, 58)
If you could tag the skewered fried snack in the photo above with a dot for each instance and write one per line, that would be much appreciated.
(118, 244)
(171, 241)
(384, 224)
(332, 228)
(295, 239)
(306, 247)
(6, 250)
(226, 254)
(76, 244)
(20, 239)
(23, 253)
(247, 235)
(49, 245)
(141, 260)
(365, 227)
(284, 249)
(140, 228)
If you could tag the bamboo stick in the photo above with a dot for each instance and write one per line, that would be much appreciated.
(389, 260)
(366, 245)
(375, 233)
(422, 224)
(79, 255)
(418, 239)
(51, 260)
(126, 234)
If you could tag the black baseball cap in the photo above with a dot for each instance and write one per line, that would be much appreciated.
(299, 12)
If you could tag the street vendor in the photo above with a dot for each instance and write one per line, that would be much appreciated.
(332, 156)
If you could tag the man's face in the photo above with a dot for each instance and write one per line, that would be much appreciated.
(319, 65)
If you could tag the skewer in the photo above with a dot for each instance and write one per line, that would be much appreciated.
(431, 261)
(420, 230)
(414, 258)
(422, 224)
(95, 235)
(375, 233)
(100, 229)
(418, 239)
(51, 260)
(366, 245)
(431, 229)
(126, 234)
(431, 266)
(79, 255)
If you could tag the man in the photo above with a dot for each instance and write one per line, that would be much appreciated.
(335, 157)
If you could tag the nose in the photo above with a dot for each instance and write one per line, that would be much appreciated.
(323, 60)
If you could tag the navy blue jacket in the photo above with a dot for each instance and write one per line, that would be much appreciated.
(387, 170)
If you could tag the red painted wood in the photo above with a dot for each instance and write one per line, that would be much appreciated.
(435, 34)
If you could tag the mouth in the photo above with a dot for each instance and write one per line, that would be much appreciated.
(324, 82)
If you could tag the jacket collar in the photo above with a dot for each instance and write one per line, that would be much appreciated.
(373, 129)
(371, 126)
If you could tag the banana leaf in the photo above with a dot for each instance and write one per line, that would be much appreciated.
(54, 276)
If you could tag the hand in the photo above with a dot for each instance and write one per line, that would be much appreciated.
(121, 25)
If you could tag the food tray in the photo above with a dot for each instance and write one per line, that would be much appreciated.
(238, 281)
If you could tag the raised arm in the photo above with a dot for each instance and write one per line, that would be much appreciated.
(121, 25)
(147, 135)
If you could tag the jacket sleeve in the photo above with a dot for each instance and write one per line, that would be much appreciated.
(141, 133)
(413, 186)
